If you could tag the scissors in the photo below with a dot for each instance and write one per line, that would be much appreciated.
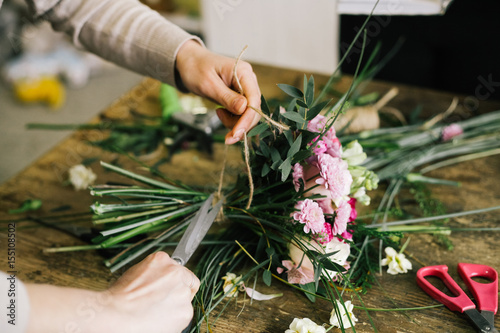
(485, 294)
(194, 234)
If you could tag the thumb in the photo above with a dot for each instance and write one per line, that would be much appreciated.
(229, 99)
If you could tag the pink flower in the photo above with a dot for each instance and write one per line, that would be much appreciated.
(354, 213)
(334, 175)
(343, 214)
(317, 124)
(333, 146)
(298, 173)
(326, 235)
(326, 206)
(296, 275)
(346, 235)
(319, 147)
(451, 131)
(310, 215)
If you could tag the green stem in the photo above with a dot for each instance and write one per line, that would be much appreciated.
(433, 218)
(399, 309)
(137, 177)
(141, 229)
(460, 159)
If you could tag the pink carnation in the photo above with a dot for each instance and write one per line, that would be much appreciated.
(451, 131)
(310, 215)
(326, 235)
(296, 275)
(319, 147)
(333, 145)
(346, 235)
(317, 124)
(334, 175)
(298, 173)
(354, 213)
(326, 206)
(343, 214)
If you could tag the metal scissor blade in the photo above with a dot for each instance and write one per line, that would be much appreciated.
(490, 316)
(196, 231)
(481, 323)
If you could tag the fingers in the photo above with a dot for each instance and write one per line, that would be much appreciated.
(248, 120)
(228, 98)
(250, 86)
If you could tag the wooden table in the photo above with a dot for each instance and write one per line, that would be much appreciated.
(45, 179)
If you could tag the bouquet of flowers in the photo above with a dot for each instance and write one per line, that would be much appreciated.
(292, 214)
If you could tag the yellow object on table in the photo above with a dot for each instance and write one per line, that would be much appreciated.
(46, 89)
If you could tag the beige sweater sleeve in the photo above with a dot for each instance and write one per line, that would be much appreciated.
(125, 32)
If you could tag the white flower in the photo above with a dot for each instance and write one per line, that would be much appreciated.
(342, 251)
(344, 315)
(397, 262)
(305, 325)
(81, 177)
(232, 284)
(353, 153)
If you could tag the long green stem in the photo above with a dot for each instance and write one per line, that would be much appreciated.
(137, 177)
(434, 218)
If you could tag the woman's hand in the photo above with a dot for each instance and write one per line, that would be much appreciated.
(153, 296)
(210, 75)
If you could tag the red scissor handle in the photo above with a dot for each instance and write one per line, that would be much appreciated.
(485, 294)
(460, 302)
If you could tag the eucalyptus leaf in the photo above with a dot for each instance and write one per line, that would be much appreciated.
(309, 92)
(317, 277)
(311, 288)
(264, 106)
(331, 266)
(286, 168)
(302, 112)
(267, 277)
(264, 148)
(276, 158)
(291, 90)
(265, 170)
(294, 116)
(301, 155)
(289, 136)
(294, 149)
(302, 103)
(258, 129)
(315, 110)
(292, 106)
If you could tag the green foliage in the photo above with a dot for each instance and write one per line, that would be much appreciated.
(430, 206)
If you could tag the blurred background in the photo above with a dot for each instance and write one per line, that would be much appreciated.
(445, 45)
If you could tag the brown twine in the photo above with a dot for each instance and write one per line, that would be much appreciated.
(366, 117)
(222, 172)
(431, 122)
(279, 125)
(249, 170)
(395, 112)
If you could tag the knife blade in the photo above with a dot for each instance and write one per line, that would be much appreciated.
(196, 231)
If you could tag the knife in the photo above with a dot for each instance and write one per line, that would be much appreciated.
(194, 234)
(196, 231)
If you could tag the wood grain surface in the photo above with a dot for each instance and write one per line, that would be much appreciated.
(46, 180)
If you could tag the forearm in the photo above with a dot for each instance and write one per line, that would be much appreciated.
(124, 32)
(59, 309)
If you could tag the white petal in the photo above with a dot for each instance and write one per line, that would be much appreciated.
(254, 294)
